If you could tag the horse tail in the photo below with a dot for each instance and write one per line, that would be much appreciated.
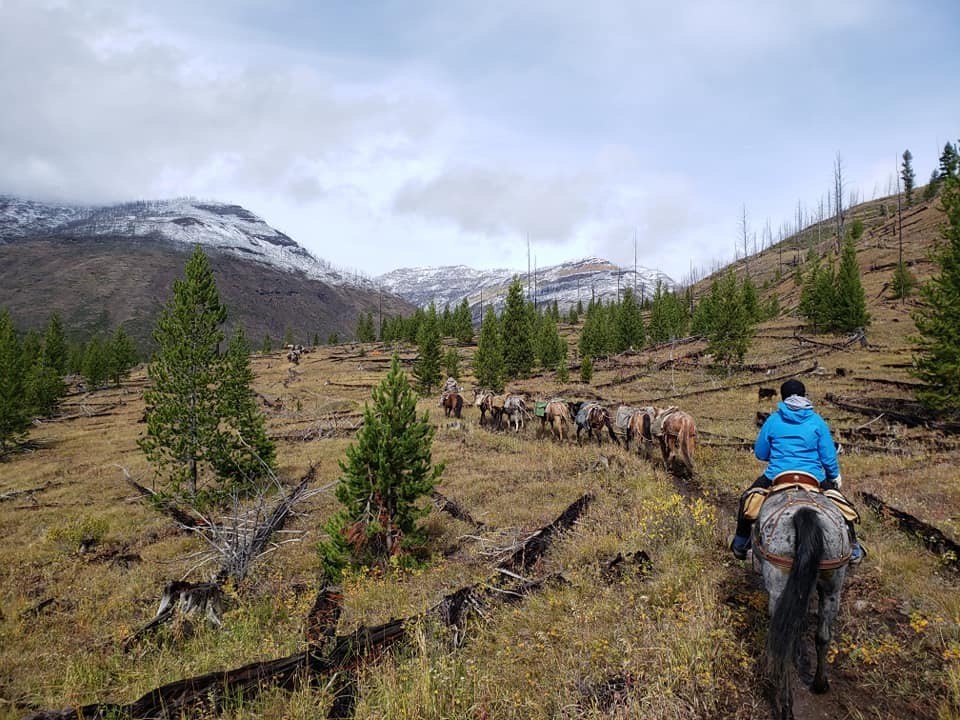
(789, 617)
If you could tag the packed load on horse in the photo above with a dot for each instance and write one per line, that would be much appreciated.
(592, 417)
(515, 408)
(556, 414)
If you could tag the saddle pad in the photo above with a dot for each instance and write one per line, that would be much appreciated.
(624, 413)
(845, 507)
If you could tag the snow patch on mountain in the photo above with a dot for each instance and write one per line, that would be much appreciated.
(228, 228)
(567, 283)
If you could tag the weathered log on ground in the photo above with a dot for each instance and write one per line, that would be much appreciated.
(14, 494)
(213, 690)
(902, 384)
(904, 418)
(640, 402)
(185, 598)
(321, 624)
(932, 538)
(448, 506)
(184, 518)
(533, 548)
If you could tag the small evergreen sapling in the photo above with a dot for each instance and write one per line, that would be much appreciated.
(385, 475)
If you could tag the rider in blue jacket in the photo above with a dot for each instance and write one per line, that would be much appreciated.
(793, 438)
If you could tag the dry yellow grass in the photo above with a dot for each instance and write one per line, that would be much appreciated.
(681, 643)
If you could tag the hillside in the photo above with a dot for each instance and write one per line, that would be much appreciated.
(674, 628)
(101, 267)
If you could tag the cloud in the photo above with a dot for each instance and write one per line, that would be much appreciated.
(101, 108)
(500, 202)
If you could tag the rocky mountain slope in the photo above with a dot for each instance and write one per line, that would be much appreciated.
(103, 266)
(566, 283)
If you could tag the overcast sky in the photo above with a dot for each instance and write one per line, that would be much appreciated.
(402, 133)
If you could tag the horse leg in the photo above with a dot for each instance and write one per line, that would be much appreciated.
(829, 592)
(613, 435)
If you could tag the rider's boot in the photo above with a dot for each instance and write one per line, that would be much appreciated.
(739, 546)
(857, 551)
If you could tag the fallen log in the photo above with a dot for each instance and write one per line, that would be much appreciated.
(533, 548)
(640, 402)
(211, 691)
(904, 418)
(448, 506)
(13, 494)
(184, 518)
(932, 538)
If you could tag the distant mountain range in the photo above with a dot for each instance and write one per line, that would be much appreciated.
(566, 283)
(101, 266)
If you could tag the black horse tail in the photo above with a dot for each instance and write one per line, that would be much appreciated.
(787, 623)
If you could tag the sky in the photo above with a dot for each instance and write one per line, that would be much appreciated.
(406, 133)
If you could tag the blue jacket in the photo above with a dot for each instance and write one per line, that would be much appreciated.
(796, 438)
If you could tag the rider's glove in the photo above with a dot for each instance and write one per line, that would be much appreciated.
(838, 481)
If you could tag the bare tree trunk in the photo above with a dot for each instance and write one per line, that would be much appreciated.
(838, 197)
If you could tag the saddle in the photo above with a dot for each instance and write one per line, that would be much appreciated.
(656, 425)
(754, 497)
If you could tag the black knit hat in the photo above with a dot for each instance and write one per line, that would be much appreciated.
(792, 387)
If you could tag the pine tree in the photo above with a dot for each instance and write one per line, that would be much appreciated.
(463, 323)
(586, 370)
(818, 296)
(851, 300)
(243, 452)
(386, 473)
(365, 329)
(451, 363)
(517, 334)
(949, 162)
(427, 367)
(446, 321)
(189, 411)
(267, 345)
(938, 323)
(731, 328)
(903, 281)
(14, 416)
(122, 356)
(930, 191)
(629, 331)
(563, 372)
(55, 345)
(96, 363)
(551, 348)
(908, 176)
(488, 360)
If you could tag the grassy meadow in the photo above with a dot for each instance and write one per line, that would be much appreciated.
(84, 560)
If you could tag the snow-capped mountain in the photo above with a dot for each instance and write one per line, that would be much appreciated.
(566, 283)
(228, 228)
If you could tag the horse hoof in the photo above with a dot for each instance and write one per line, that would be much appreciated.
(820, 687)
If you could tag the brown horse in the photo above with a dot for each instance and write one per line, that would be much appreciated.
(592, 417)
(483, 400)
(557, 415)
(452, 402)
(678, 436)
(639, 427)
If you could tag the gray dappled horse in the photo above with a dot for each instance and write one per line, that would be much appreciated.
(800, 541)
(515, 408)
